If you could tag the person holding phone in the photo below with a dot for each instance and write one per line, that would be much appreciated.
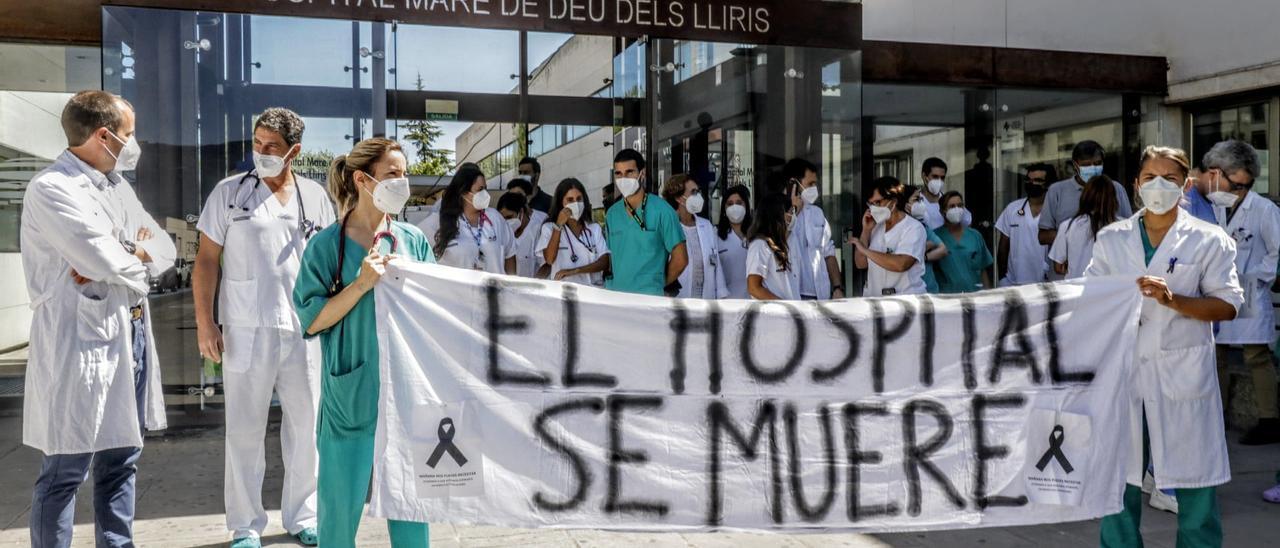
(891, 246)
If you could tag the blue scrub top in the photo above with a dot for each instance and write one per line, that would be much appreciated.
(640, 254)
(961, 270)
(349, 376)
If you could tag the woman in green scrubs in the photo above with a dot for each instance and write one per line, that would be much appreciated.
(964, 269)
(368, 184)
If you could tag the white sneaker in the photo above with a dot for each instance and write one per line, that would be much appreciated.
(1148, 482)
(1161, 501)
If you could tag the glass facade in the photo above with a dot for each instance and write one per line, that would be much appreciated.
(1252, 123)
(724, 113)
(36, 82)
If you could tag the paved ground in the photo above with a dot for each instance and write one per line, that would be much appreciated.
(180, 505)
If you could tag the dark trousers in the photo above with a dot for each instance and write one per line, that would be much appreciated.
(115, 471)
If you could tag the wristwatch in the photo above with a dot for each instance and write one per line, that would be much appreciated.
(130, 247)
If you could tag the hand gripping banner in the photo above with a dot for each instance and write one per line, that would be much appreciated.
(528, 403)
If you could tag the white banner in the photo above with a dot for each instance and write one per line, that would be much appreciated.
(527, 403)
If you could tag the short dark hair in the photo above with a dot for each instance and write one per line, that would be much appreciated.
(522, 184)
(630, 155)
(890, 188)
(512, 201)
(1087, 150)
(931, 163)
(1050, 172)
(796, 168)
(283, 121)
(530, 160)
(89, 110)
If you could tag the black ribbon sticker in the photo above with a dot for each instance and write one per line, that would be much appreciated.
(1055, 451)
(446, 431)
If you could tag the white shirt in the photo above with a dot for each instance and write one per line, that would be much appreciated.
(908, 237)
(262, 244)
(1021, 227)
(702, 279)
(733, 261)
(528, 259)
(761, 262)
(1073, 245)
(485, 247)
(933, 215)
(588, 247)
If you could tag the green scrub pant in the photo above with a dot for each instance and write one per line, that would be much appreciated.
(343, 484)
(1199, 519)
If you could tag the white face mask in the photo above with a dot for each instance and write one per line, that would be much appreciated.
(693, 204)
(935, 187)
(1223, 198)
(1160, 195)
(268, 166)
(390, 195)
(575, 210)
(736, 213)
(880, 213)
(514, 223)
(956, 215)
(809, 195)
(919, 210)
(480, 200)
(1089, 172)
(128, 158)
(627, 186)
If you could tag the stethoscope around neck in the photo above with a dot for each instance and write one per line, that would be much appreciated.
(306, 226)
(338, 285)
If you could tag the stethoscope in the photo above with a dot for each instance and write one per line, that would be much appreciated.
(306, 226)
(338, 285)
(589, 244)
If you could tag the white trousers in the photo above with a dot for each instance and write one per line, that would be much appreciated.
(257, 362)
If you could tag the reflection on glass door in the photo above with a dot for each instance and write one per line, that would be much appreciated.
(1248, 123)
(197, 81)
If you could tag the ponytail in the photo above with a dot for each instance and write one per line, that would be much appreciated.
(341, 185)
(342, 181)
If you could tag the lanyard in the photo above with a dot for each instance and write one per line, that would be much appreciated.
(639, 219)
(478, 232)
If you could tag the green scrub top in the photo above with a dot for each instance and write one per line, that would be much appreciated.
(930, 279)
(349, 378)
(961, 270)
(640, 254)
(1148, 250)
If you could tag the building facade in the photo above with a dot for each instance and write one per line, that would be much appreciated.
(862, 89)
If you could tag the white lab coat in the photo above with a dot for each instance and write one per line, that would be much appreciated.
(79, 383)
(733, 261)
(1021, 227)
(528, 259)
(1256, 230)
(713, 284)
(1174, 377)
(497, 242)
(809, 244)
(588, 248)
(1073, 246)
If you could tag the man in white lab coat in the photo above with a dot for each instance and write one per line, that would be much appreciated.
(253, 230)
(93, 377)
(1254, 223)
(811, 242)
